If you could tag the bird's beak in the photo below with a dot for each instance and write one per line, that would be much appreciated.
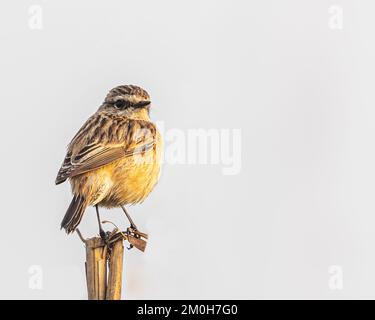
(142, 104)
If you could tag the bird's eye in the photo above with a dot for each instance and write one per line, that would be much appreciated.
(120, 104)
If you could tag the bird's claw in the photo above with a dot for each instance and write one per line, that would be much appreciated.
(136, 233)
(135, 239)
(105, 236)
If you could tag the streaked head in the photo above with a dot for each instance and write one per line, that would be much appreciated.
(127, 99)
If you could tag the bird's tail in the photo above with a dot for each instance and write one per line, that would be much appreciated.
(74, 214)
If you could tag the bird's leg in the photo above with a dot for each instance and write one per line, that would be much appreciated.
(102, 233)
(135, 236)
(132, 225)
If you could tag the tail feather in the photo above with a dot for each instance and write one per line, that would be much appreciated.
(74, 214)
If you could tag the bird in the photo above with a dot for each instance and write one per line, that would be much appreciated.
(114, 159)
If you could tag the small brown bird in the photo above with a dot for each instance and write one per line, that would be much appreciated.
(114, 159)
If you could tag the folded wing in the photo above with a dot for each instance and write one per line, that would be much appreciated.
(103, 139)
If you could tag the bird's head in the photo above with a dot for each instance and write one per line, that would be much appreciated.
(128, 100)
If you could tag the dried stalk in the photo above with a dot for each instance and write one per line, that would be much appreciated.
(115, 271)
(96, 269)
(104, 262)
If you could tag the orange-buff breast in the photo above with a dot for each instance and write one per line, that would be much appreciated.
(125, 181)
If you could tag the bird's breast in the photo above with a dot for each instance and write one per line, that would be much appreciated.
(133, 178)
(125, 181)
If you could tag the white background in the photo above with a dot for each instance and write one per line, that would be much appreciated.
(300, 91)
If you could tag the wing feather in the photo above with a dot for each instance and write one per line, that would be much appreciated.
(105, 138)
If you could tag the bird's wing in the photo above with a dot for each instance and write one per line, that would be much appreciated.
(105, 138)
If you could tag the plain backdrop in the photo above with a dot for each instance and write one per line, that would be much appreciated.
(300, 211)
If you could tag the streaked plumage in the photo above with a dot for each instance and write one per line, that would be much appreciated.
(114, 159)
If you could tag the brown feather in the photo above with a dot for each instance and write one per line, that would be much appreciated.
(114, 159)
(96, 145)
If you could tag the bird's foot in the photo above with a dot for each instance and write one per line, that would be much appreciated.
(135, 238)
(136, 233)
(105, 236)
